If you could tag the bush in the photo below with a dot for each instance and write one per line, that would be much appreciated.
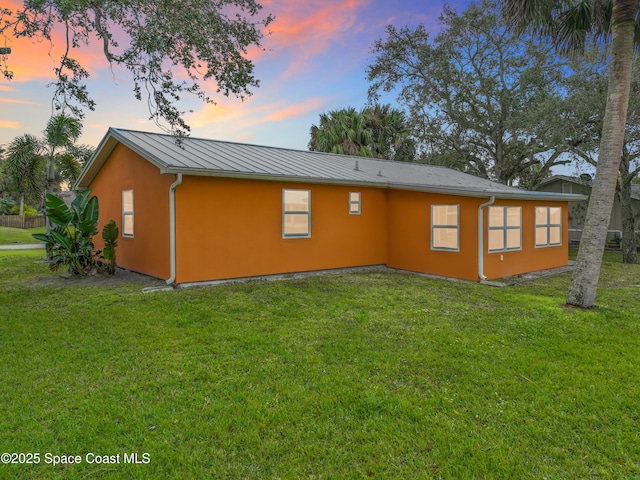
(6, 204)
(28, 211)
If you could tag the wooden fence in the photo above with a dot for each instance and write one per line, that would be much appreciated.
(22, 221)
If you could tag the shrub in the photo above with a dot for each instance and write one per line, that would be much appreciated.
(27, 210)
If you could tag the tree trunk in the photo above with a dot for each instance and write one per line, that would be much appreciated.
(629, 250)
(582, 291)
(21, 211)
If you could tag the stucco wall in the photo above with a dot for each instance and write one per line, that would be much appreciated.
(148, 251)
(230, 228)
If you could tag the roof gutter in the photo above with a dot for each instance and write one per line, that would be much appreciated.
(481, 238)
(172, 228)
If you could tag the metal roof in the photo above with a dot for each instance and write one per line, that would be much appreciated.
(195, 156)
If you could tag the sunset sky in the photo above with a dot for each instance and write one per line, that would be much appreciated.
(315, 61)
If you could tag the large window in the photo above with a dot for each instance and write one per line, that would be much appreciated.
(548, 226)
(505, 228)
(296, 213)
(354, 203)
(127, 213)
(445, 227)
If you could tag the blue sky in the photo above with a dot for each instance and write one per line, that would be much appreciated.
(315, 61)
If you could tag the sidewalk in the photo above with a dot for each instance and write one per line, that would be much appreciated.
(22, 246)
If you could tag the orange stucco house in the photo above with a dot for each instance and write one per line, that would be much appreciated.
(207, 210)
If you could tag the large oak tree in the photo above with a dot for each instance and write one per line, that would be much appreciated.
(171, 47)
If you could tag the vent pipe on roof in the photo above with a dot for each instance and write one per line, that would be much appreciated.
(172, 228)
(481, 238)
(357, 169)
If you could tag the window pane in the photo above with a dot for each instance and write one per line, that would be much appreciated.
(496, 239)
(354, 196)
(555, 215)
(513, 216)
(541, 215)
(127, 228)
(445, 215)
(513, 238)
(555, 235)
(354, 208)
(445, 238)
(496, 216)
(296, 224)
(541, 236)
(296, 200)
(127, 201)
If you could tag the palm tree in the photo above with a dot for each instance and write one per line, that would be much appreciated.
(377, 132)
(24, 165)
(61, 134)
(568, 23)
(341, 131)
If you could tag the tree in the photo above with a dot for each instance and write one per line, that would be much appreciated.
(587, 88)
(38, 166)
(24, 165)
(376, 132)
(479, 98)
(568, 24)
(205, 40)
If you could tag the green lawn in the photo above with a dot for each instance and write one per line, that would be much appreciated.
(367, 375)
(10, 236)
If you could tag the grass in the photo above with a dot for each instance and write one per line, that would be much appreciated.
(10, 235)
(367, 375)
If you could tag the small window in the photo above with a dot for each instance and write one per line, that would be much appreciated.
(505, 228)
(354, 203)
(445, 227)
(127, 213)
(548, 226)
(296, 213)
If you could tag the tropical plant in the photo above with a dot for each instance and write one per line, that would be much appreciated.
(569, 24)
(24, 165)
(110, 237)
(205, 41)
(70, 239)
(6, 205)
(376, 132)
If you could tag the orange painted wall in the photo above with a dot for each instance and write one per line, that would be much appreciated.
(530, 258)
(148, 250)
(230, 228)
(410, 235)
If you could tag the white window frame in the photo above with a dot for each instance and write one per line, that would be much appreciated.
(548, 227)
(295, 212)
(128, 213)
(504, 228)
(355, 206)
(435, 227)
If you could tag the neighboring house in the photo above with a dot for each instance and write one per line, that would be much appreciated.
(578, 209)
(206, 210)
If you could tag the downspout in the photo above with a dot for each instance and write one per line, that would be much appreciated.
(481, 238)
(172, 228)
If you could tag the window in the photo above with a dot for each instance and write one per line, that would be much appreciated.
(354, 203)
(127, 213)
(505, 231)
(445, 227)
(296, 213)
(548, 226)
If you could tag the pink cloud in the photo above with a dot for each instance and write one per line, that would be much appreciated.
(10, 124)
(17, 101)
(303, 30)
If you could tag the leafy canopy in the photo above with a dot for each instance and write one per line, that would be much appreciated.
(479, 98)
(169, 46)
